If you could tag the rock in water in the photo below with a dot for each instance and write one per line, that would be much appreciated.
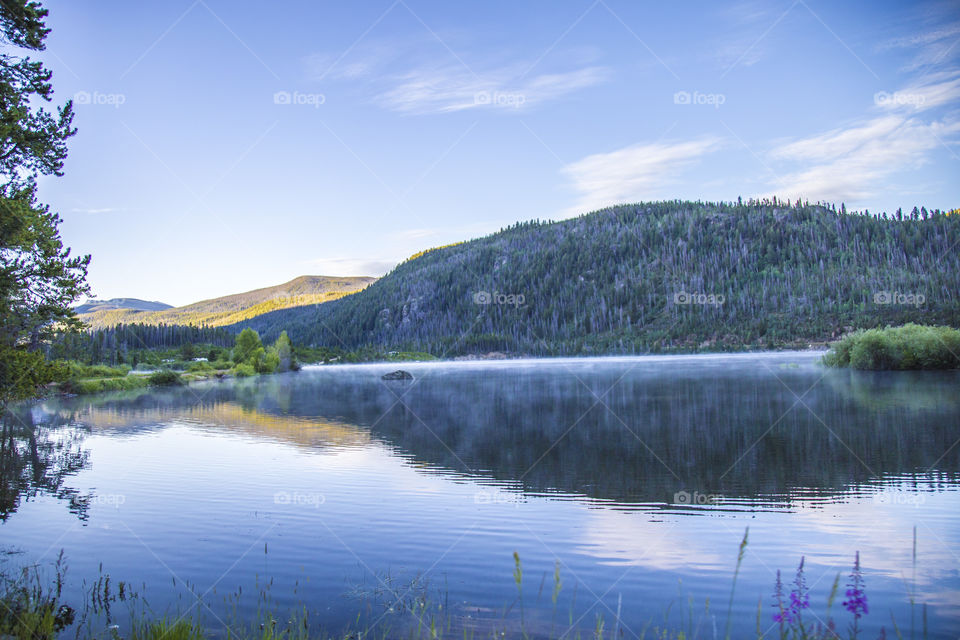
(399, 374)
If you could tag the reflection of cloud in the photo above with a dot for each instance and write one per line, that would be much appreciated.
(882, 530)
(827, 534)
(635, 173)
(631, 538)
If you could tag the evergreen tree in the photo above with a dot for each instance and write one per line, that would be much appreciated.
(607, 282)
(38, 278)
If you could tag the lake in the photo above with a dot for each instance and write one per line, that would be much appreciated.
(635, 477)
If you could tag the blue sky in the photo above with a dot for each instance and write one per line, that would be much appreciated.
(225, 146)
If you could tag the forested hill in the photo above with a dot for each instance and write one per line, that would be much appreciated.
(654, 276)
(305, 290)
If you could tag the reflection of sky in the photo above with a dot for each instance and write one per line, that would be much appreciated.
(879, 526)
(194, 498)
(198, 496)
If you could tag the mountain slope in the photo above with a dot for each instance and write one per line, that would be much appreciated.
(305, 290)
(653, 276)
(134, 304)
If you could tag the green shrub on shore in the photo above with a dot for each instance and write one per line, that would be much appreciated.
(165, 378)
(244, 370)
(911, 346)
(75, 370)
(99, 385)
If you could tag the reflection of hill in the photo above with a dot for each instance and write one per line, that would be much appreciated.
(308, 432)
(621, 432)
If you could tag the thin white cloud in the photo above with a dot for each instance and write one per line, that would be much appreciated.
(935, 42)
(635, 173)
(400, 77)
(857, 162)
(840, 142)
(747, 32)
(933, 90)
(101, 210)
(351, 266)
(455, 89)
(417, 234)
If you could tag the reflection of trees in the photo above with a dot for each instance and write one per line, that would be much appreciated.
(879, 390)
(737, 434)
(37, 459)
(732, 430)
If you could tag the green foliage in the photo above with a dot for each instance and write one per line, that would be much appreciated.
(286, 360)
(248, 342)
(136, 343)
(165, 378)
(23, 372)
(249, 350)
(77, 370)
(244, 370)
(268, 362)
(188, 351)
(83, 386)
(607, 282)
(180, 629)
(911, 346)
(29, 609)
(38, 278)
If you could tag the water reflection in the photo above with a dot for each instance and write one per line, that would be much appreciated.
(628, 433)
(37, 456)
(577, 461)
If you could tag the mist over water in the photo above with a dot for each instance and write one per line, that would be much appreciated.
(638, 475)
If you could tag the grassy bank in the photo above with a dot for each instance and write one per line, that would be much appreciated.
(910, 346)
(33, 607)
(86, 379)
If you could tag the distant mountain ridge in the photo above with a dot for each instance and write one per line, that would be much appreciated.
(653, 276)
(134, 304)
(230, 309)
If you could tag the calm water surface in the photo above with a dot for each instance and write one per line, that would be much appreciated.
(639, 476)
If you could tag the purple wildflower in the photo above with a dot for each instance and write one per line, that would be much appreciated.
(856, 602)
(800, 594)
(799, 598)
(784, 614)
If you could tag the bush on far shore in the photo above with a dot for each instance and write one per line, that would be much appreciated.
(165, 378)
(244, 370)
(911, 346)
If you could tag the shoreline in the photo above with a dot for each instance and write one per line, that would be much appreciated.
(491, 358)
